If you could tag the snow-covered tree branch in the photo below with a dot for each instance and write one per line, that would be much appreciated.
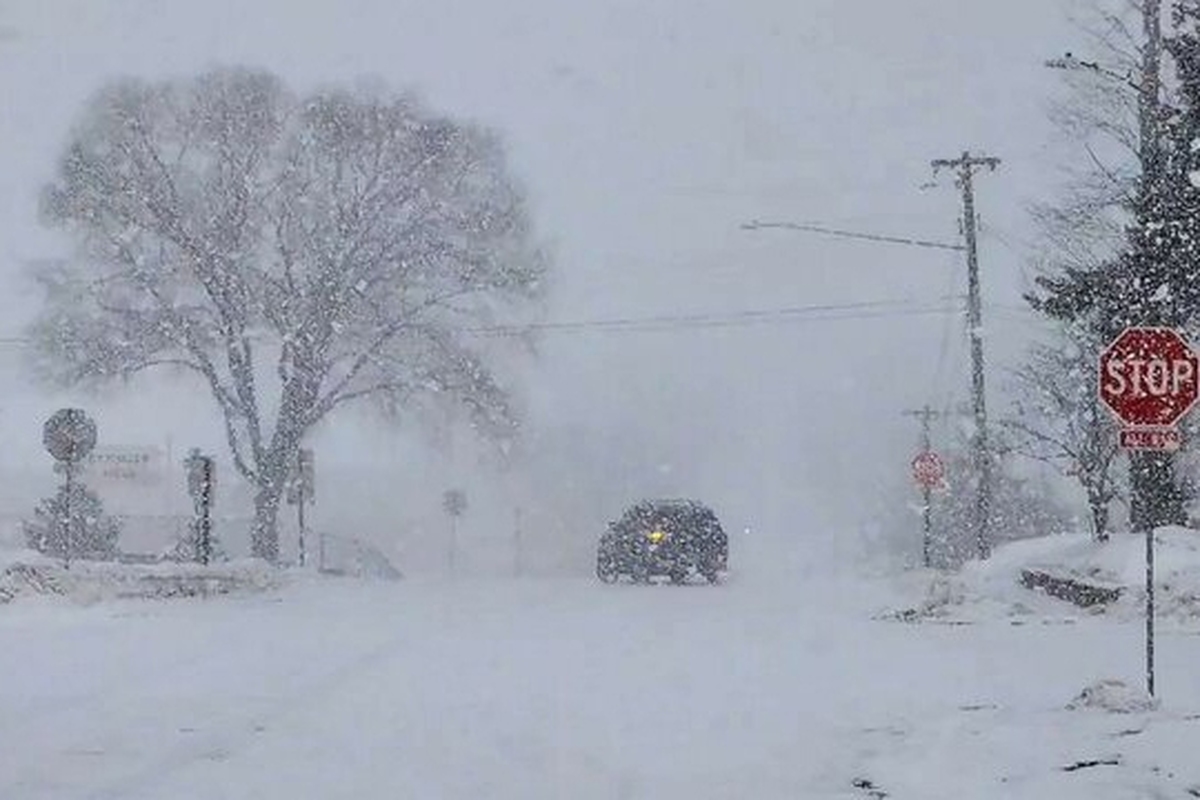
(1058, 418)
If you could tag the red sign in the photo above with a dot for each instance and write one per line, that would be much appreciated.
(1151, 438)
(1149, 377)
(927, 469)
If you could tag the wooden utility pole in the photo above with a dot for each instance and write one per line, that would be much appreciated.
(965, 166)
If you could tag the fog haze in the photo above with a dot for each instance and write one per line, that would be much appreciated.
(646, 133)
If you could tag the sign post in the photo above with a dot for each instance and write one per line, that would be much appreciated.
(69, 435)
(517, 554)
(302, 489)
(928, 471)
(1149, 379)
(201, 482)
(454, 503)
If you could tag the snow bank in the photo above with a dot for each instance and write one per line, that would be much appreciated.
(1114, 696)
(1116, 567)
(24, 574)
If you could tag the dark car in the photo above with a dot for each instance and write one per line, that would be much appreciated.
(675, 538)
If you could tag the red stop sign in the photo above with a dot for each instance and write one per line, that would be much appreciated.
(927, 469)
(1149, 376)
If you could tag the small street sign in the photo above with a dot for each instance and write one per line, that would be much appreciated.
(201, 474)
(927, 469)
(454, 502)
(1151, 438)
(69, 435)
(302, 482)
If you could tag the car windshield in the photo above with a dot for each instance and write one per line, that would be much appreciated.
(596, 399)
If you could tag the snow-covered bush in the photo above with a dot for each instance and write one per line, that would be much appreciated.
(77, 520)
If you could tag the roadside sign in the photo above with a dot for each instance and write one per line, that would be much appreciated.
(454, 502)
(927, 469)
(69, 435)
(1151, 438)
(302, 481)
(201, 475)
(1149, 379)
(125, 464)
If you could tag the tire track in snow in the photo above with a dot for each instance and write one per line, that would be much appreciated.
(110, 739)
(45, 711)
(232, 735)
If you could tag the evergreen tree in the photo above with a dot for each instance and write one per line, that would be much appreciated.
(1155, 280)
(81, 521)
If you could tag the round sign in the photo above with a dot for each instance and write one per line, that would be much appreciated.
(927, 469)
(1149, 377)
(69, 435)
(454, 502)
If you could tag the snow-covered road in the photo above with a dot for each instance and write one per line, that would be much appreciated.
(768, 687)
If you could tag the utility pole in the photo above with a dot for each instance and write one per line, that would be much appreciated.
(1148, 105)
(965, 165)
(926, 415)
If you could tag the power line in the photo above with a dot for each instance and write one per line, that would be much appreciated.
(830, 312)
(760, 316)
(944, 344)
(873, 237)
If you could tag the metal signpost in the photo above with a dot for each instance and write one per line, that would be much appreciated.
(1149, 378)
(201, 483)
(454, 503)
(69, 436)
(301, 490)
(518, 555)
(928, 472)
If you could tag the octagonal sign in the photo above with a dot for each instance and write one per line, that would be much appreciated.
(927, 469)
(1149, 377)
(69, 435)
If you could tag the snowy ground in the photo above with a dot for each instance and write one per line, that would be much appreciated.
(780, 684)
(990, 589)
(25, 574)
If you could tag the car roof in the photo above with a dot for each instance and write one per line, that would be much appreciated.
(671, 503)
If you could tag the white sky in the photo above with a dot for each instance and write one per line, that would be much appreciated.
(647, 132)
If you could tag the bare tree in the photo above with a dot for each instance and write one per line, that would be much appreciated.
(1097, 120)
(1058, 419)
(295, 253)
